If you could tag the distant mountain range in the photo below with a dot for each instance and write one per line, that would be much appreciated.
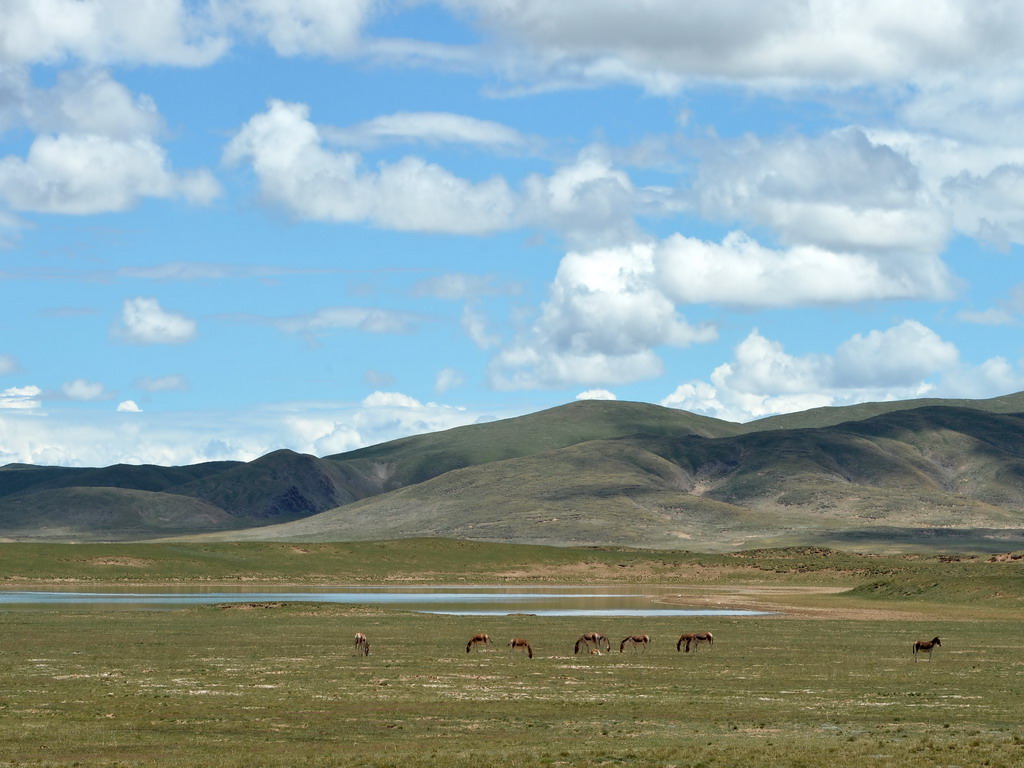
(947, 474)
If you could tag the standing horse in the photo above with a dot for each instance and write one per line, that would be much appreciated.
(362, 644)
(641, 641)
(518, 642)
(926, 646)
(480, 639)
(695, 639)
(593, 637)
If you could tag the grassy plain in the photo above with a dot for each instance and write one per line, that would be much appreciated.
(830, 682)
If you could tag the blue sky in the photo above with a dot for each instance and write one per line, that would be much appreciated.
(233, 226)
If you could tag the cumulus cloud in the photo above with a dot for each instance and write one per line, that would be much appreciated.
(740, 271)
(778, 45)
(107, 31)
(588, 200)
(762, 379)
(20, 398)
(989, 207)
(603, 317)
(80, 102)
(83, 174)
(301, 27)
(95, 150)
(596, 394)
(80, 389)
(144, 321)
(297, 172)
(839, 191)
(128, 406)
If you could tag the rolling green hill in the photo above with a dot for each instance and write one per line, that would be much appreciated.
(591, 472)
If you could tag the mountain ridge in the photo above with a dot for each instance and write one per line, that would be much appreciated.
(591, 472)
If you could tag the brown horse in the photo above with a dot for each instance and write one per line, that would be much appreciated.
(641, 641)
(480, 639)
(593, 637)
(926, 646)
(695, 639)
(518, 642)
(362, 644)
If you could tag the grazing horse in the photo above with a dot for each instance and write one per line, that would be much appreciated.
(518, 642)
(593, 637)
(362, 644)
(480, 639)
(636, 640)
(926, 646)
(695, 639)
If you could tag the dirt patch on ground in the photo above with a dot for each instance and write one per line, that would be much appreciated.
(127, 562)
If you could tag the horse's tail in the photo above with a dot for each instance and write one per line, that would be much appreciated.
(622, 645)
(469, 645)
(679, 642)
(577, 648)
(529, 650)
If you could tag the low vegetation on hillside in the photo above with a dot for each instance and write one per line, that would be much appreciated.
(926, 475)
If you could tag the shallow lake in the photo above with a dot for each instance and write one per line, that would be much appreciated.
(455, 601)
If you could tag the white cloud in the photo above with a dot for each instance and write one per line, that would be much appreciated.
(773, 45)
(430, 127)
(989, 207)
(128, 406)
(302, 27)
(993, 377)
(80, 389)
(840, 191)
(390, 400)
(87, 102)
(295, 171)
(95, 149)
(589, 201)
(596, 394)
(144, 321)
(84, 174)
(898, 356)
(20, 398)
(741, 272)
(106, 31)
(7, 365)
(907, 360)
(448, 378)
(604, 314)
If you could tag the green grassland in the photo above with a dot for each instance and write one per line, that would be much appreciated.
(271, 684)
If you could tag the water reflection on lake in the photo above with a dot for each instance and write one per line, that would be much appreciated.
(456, 601)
